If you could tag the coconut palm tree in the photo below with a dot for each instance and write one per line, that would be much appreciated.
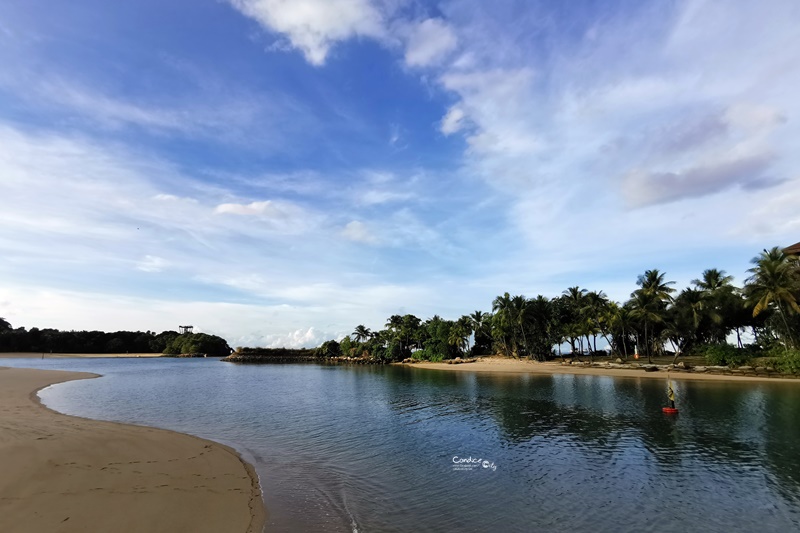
(574, 300)
(775, 283)
(520, 318)
(595, 308)
(713, 280)
(482, 328)
(649, 310)
(362, 333)
(652, 281)
(649, 303)
(503, 322)
(622, 323)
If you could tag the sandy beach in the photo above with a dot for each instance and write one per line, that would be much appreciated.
(501, 365)
(68, 474)
(48, 355)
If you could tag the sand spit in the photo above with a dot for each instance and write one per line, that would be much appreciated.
(501, 365)
(67, 474)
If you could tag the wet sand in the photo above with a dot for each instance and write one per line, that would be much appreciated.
(67, 474)
(502, 365)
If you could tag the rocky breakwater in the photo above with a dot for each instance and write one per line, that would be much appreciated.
(271, 355)
(681, 366)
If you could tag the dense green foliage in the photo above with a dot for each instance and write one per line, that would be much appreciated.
(726, 355)
(656, 320)
(198, 343)
(168, 342)
(46, 340)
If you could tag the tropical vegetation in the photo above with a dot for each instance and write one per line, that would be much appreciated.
(52, 340)
(709, 318)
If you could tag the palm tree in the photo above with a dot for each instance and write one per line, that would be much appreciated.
(464, 327)
(648, 308)
(622, 321)
(362, 333)
(595, 308)
(503, 319)
(520, 319)
(774, 283)
(713, 280)
(652, 281)
(573, 297)
(649, 302)
(721, 302)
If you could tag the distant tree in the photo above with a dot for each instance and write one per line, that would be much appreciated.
(328, 349)
(361, 333)
(4, 325)
(198, 343)
(775, 282)
(482, 329)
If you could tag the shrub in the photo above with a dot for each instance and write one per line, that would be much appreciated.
(725, 354)
(787, 361)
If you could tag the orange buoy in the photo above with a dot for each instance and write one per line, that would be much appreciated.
(669, 410)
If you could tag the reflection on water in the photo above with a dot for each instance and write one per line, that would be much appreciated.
(372, 448)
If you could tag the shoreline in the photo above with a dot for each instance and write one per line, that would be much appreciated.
(66, 473)
(501, 365)
(48, 355)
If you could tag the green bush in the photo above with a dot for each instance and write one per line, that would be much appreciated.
(198, 343)
(328, 349)
(787, 361)
(725, 354)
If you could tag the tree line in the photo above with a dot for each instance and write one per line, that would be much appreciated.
(167, 342)
(708, 318)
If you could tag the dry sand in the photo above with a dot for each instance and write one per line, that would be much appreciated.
(48, 355)
(61, 473)
(502, 365)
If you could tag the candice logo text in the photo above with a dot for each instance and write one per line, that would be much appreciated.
(472, 463)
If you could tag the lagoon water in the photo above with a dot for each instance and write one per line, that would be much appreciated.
(341, 448)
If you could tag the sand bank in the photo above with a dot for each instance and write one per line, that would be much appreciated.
(501, 365)
(60, 473)
(48, 355)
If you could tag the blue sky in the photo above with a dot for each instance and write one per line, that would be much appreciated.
(278, 172)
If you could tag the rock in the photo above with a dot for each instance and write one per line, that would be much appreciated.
(760, 369)
(746, 368)
(681, 365)
(650, 368)
(700, 369)
(618, 361)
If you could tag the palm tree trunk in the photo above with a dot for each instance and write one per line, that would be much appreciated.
(788, 329)
(625, 344)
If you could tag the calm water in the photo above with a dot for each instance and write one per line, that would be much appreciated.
(371, 448)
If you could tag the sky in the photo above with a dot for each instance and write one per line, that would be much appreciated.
(278, 172)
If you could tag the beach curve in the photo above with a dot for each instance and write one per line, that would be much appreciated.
(64, 473)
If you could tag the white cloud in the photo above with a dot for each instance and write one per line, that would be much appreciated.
(453, 121)
(296, 339)
(152, 263)
(282, 216)
(357, 231)
(315, 26)
(429, 42)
